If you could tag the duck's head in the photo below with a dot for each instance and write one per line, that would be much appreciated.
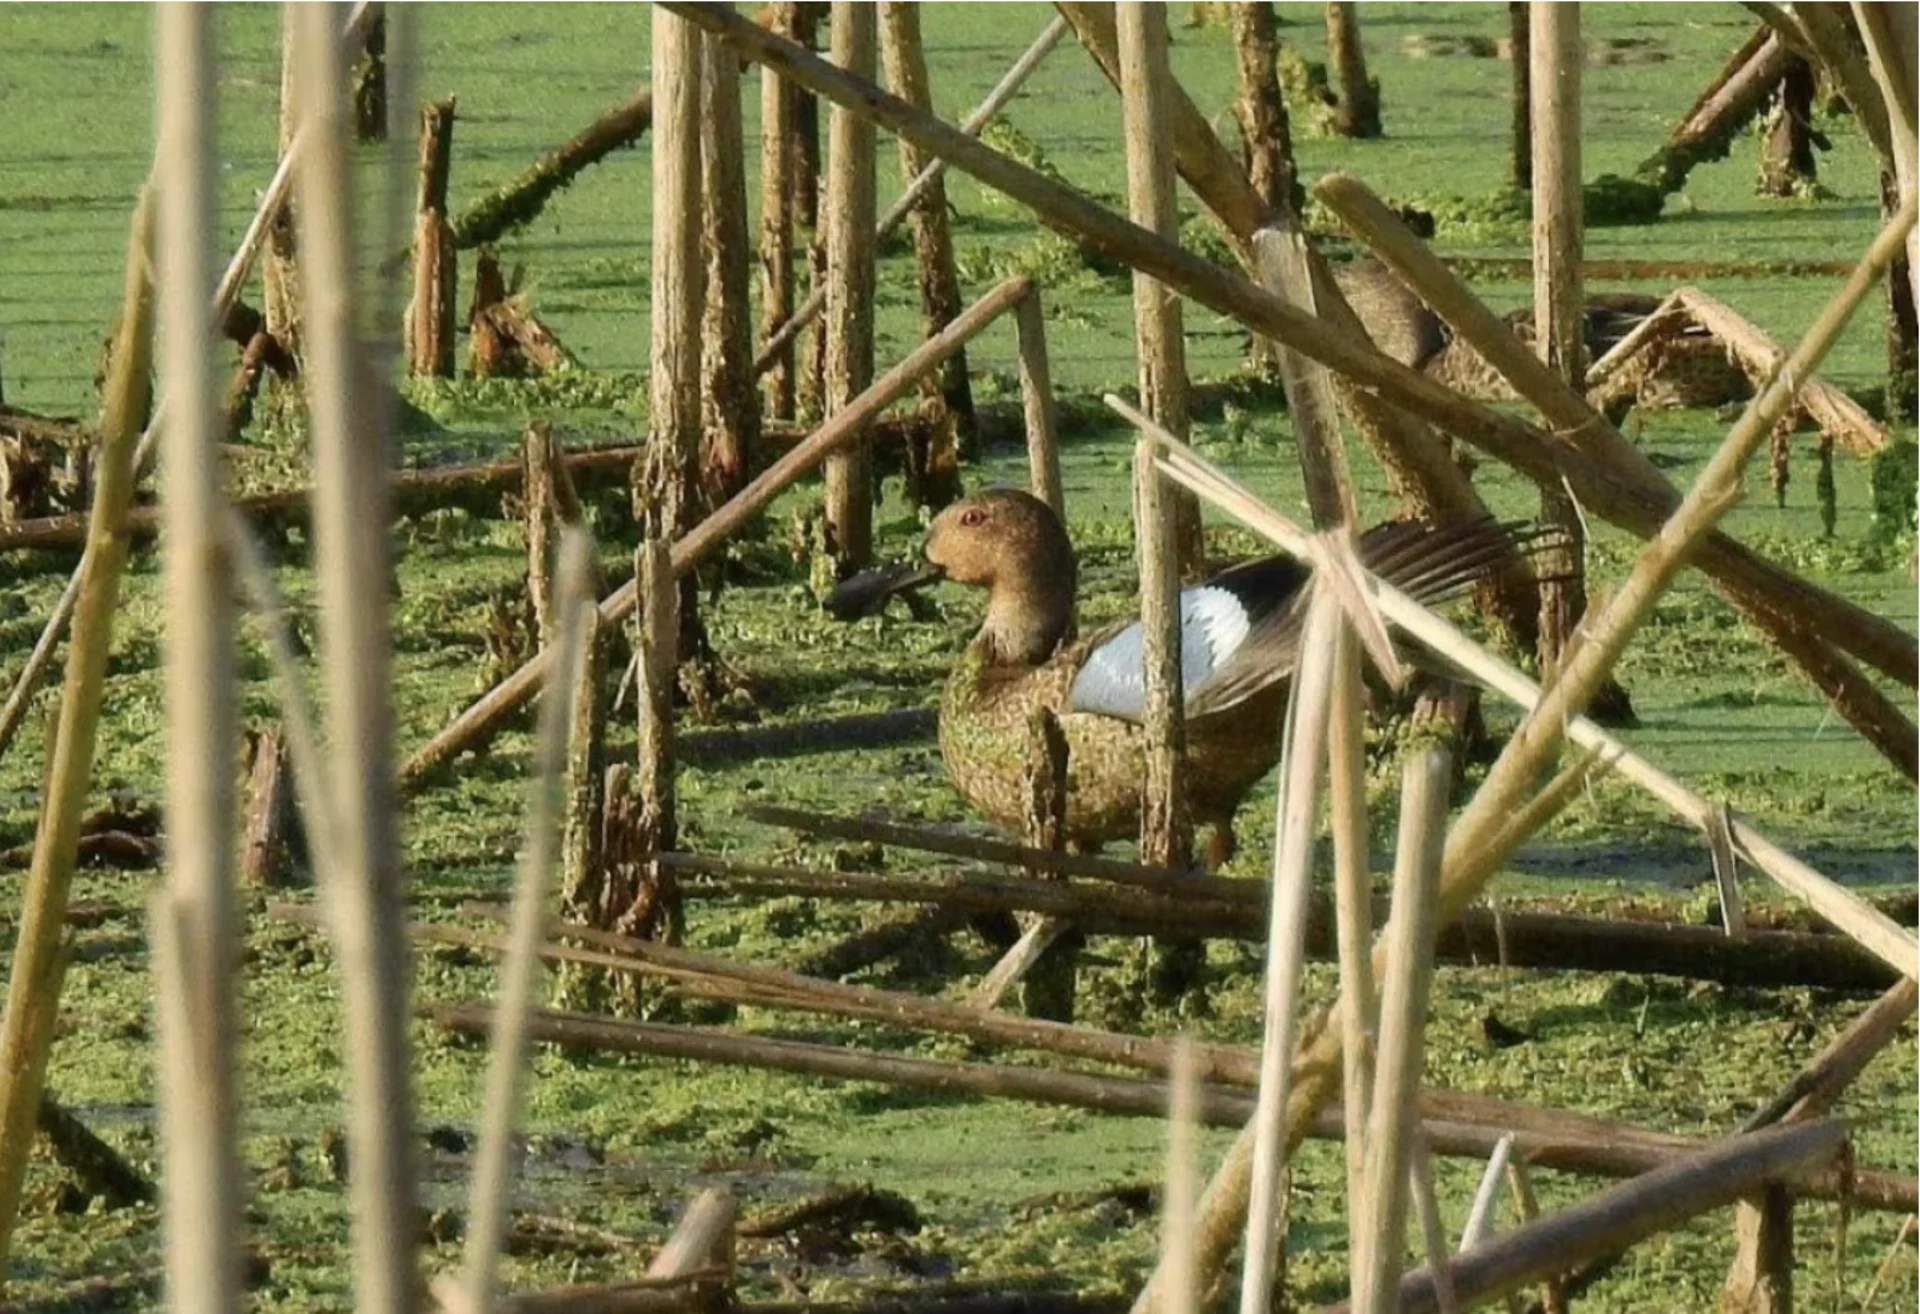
(1000, 537)
(1003, 540)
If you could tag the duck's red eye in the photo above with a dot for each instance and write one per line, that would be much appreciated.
(973, 517)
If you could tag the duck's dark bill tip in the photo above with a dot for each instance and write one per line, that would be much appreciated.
(866, 593)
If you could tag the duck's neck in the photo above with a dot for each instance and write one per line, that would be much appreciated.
(1027, 616)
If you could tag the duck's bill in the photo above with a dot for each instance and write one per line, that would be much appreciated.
(866, 593)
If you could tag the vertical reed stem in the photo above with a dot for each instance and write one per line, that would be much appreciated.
(193, 915)
(1307, 715)
(488, 1192)
(1036, 400)
(1403, 1019)
(850, 279)
(351, 551)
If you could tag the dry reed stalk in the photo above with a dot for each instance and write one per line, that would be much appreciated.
(678, 274)
(1036, 402)
(847, 236)
(489, 1191)
(1888, 32)
(1166, 830)
(903, 56)
(1630, 495)
(1807, 627)
(1295, 814)
(779, 158)
(1486, 1198)
(1146, 102)
(1886, 1268)
(1559, 300)
(484, 718)
(1627, 1213)
(1408, 942)
(1177, 1205)
(33, 988)
(1470, 863)
(701, 1239)
(13, 712)
(781, 338)
(1838, 415)
(1353, 897)
(351, 551)
(731, 409)
(1603, 638)
(193, 916)
(1280, 260)
(1819, 1083)
(1426, 1212)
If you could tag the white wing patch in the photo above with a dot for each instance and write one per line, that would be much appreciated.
(1112, 681)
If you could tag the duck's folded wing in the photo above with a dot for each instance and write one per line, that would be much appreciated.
(1238, 616)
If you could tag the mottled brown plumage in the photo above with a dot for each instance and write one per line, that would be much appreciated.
(1025, 657)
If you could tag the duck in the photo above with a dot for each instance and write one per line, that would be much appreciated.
(1240, 637)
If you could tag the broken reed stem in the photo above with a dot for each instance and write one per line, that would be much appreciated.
(780, 341)
(1426, 1212)
(1353, 897)
(33, 989)
(1617, 1218)
(1821, 1080)
(1165, 834)
(193, 915)
(1602, 638)
(351, 551)
(1295, 814)
(485, 717)
(702, 1237)
(731, 407)
(1408, 941)
(848, 237)
(14, 711)
(490, 1189)
(1036, 402)
(1177, 1206)
(1486, 1199)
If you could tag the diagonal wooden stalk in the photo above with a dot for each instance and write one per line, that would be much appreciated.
(33, 989)
(1583, 434)
(1408, 943)
(194, 914)
(1539, 738)
(13, 712)
(1468, 866)
(485, 718)
(1295, 814)
(1486, 1199)
(351, 549)
(1003, 92)
(488, 1192)
(1629, 1212)
(1631, 496)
